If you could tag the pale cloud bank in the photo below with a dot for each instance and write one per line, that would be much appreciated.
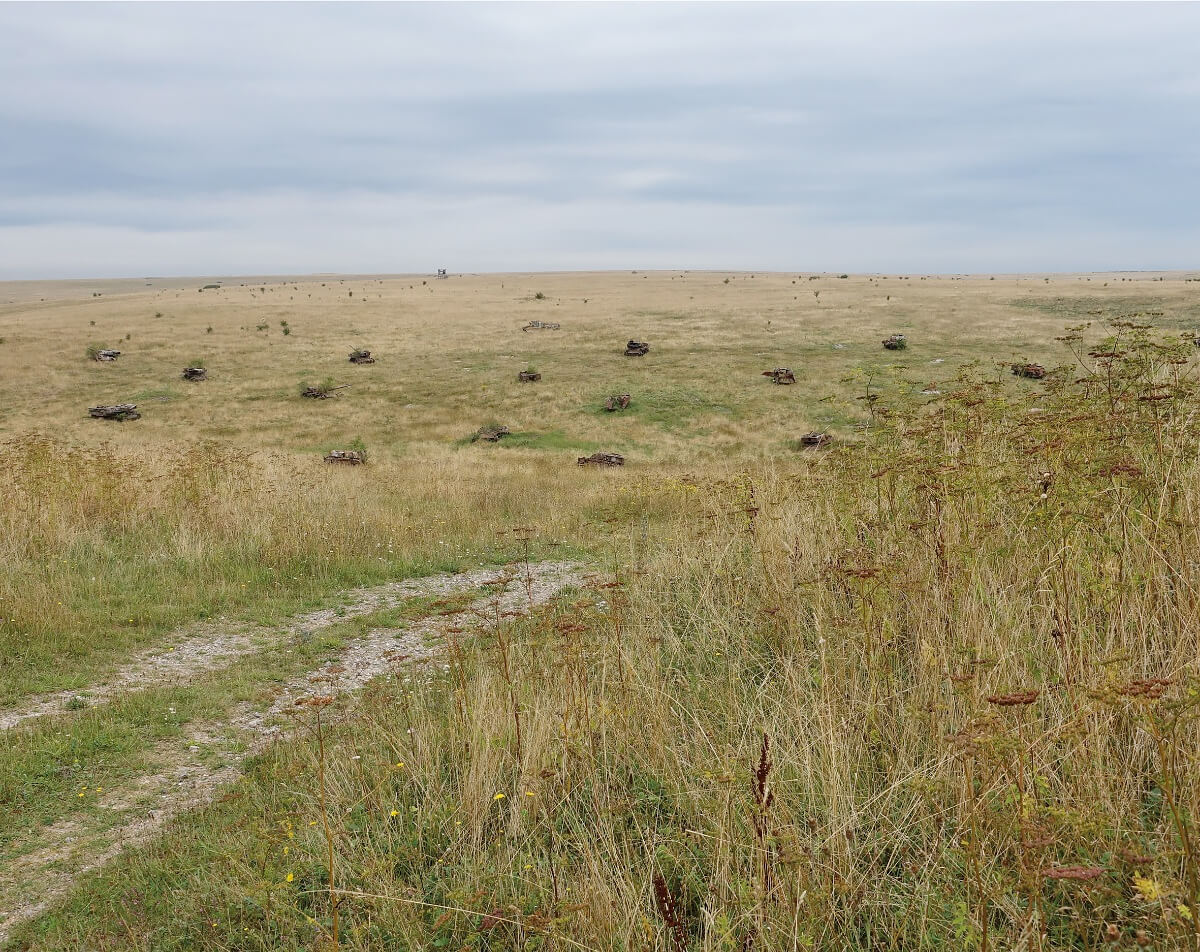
(230, 138)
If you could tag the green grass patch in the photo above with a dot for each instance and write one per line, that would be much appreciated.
(548, 440)
(159, 395)
(669, 407)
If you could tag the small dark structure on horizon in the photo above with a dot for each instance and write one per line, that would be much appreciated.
(441, 273)
(636, 348)
(106, 356)
(529, 376)
(118, 411)
(780, 375)
(618, 401)
(194, 373)
(895, 342)
(815, 439)
(602, 459)
(1029, 371)
(360, 356)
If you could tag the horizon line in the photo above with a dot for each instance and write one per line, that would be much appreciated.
(564, 271)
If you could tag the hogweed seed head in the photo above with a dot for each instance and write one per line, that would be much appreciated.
(1016, 699)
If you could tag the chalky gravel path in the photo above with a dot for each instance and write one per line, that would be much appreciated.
(54, 857)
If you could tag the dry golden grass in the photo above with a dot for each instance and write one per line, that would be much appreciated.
(968, 636)
(449, 352)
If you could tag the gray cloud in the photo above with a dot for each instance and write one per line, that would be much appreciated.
(225, 138)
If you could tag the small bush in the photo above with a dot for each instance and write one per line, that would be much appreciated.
(326, 386)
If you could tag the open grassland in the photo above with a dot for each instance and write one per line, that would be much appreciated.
(449, 353)
(934, 688)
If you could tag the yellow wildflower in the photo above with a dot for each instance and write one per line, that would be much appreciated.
(290, 877)
(394, 813)
(498, 796)
(1148, 889)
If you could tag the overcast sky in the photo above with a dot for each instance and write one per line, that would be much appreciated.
(152, 139)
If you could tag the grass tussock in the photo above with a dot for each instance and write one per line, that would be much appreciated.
(935, 690)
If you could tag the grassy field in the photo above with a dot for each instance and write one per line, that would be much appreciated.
(449, 352)
(935, 687)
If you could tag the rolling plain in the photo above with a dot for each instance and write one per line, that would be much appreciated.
(930, 685)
